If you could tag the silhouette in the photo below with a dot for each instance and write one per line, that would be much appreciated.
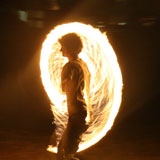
(75, 79)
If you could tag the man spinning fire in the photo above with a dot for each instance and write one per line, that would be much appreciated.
(75, 81)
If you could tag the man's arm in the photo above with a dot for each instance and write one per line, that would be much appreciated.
(69, 79)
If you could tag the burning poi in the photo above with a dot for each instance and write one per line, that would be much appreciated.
(105, 86)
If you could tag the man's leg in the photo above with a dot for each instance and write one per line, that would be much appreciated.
(71, 138)
(71, 157)
(60, 152)
(75, 128)
(61, 146)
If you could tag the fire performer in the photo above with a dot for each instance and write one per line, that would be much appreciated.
(75, 79)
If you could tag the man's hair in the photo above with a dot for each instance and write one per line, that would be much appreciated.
(72, 43)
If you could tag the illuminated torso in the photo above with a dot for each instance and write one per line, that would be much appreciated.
(74, 79)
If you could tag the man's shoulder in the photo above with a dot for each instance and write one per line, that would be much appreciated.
(74, 64)
(79, 63)
(70, 67)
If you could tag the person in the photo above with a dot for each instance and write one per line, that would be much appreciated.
(75, 79)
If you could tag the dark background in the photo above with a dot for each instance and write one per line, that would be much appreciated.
(133, 29)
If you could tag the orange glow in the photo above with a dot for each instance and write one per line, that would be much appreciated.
(106, 80)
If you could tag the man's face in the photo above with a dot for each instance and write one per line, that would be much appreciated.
(64, 51)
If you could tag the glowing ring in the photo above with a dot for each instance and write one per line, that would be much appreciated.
(106, 81)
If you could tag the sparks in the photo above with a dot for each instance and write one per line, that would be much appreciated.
(106, 80)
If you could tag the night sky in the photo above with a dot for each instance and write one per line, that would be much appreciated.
(24, 105)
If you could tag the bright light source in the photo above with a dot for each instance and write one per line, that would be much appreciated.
(122, 23)
(106, 80)
(23, 16)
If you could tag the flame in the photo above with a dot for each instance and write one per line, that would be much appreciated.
(106, 80)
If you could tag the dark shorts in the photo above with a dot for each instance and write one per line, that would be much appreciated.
(72, 135)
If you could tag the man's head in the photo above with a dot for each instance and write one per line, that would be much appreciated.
(71, 45)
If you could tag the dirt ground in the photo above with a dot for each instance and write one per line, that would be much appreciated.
(123, 142)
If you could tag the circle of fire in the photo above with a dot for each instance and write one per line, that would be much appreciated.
(106, 80)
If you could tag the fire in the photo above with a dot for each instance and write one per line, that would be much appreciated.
(106, 80)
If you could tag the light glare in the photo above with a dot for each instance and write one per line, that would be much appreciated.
(106, 80)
